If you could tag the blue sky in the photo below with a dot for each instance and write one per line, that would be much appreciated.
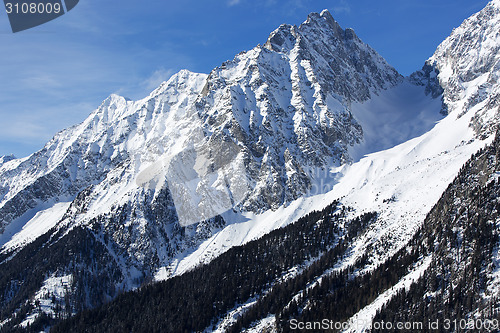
(54, 75)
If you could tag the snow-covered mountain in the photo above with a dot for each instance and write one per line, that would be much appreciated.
(149, 189)
(260, 124)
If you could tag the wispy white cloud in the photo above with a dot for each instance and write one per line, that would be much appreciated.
(231, 3)
(156, 78)
(342, 7)
(32, 124)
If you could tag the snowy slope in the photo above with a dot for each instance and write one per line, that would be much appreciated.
(393, 117)
(39, 224)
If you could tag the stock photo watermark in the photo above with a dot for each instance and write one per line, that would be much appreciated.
(27, 14)
(417, 326)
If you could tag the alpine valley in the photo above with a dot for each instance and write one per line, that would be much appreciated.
(304, 180)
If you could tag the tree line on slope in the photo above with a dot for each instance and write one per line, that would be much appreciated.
(197, 299)
(77, 253)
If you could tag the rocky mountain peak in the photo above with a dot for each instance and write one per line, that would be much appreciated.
(317, 25)
(151, 177)
(285, 106)
(282, 39)
(323, 20)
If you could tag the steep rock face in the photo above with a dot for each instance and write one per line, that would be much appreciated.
(343, 64)
(467, 67)
(287, 103)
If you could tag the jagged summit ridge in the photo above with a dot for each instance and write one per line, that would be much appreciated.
(323, 21)
(321, 38)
